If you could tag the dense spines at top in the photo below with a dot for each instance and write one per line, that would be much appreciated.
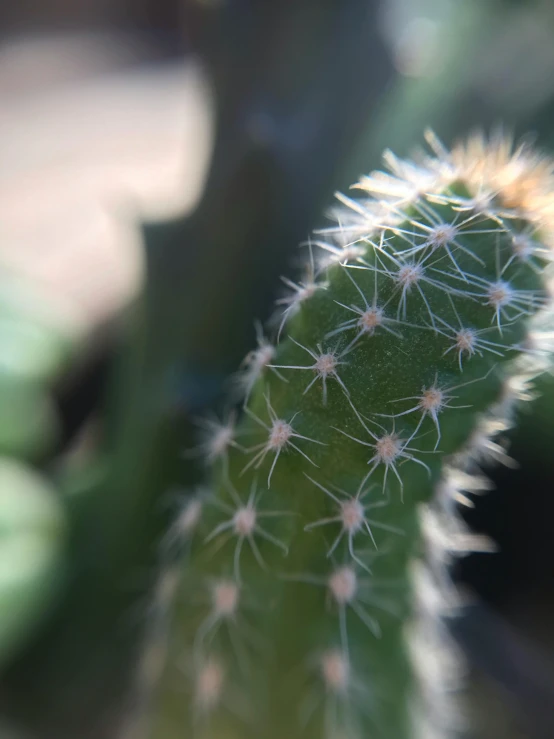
(388, 354)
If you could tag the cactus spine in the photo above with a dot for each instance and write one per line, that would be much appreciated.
(295, 586)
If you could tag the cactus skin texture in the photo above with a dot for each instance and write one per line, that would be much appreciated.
(294, 586)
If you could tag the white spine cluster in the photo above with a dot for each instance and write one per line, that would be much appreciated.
(243, 525)
(351, 514)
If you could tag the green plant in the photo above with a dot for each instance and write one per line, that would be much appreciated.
(36, 347)
(402, 351)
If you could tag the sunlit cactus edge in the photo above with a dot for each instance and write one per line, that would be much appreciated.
(328, 517)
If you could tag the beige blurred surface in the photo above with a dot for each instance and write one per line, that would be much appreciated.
(88, 150)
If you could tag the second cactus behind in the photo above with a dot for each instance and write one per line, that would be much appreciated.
(293, 590)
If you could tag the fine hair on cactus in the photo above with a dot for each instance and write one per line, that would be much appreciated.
(313, 577)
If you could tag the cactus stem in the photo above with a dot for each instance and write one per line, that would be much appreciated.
(437, 326)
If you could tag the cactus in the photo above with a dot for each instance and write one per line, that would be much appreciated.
(394, 359)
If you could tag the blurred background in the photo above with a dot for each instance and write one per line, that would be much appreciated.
(160, 161)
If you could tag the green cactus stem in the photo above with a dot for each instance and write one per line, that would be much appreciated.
(389, 355)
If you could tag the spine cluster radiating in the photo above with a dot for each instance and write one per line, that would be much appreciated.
(329, 521)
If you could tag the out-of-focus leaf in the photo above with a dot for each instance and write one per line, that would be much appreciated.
(30, 350)
(36, 341)
(32, 535)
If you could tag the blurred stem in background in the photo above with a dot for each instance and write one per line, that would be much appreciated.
(283, 76)
(464, 66)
